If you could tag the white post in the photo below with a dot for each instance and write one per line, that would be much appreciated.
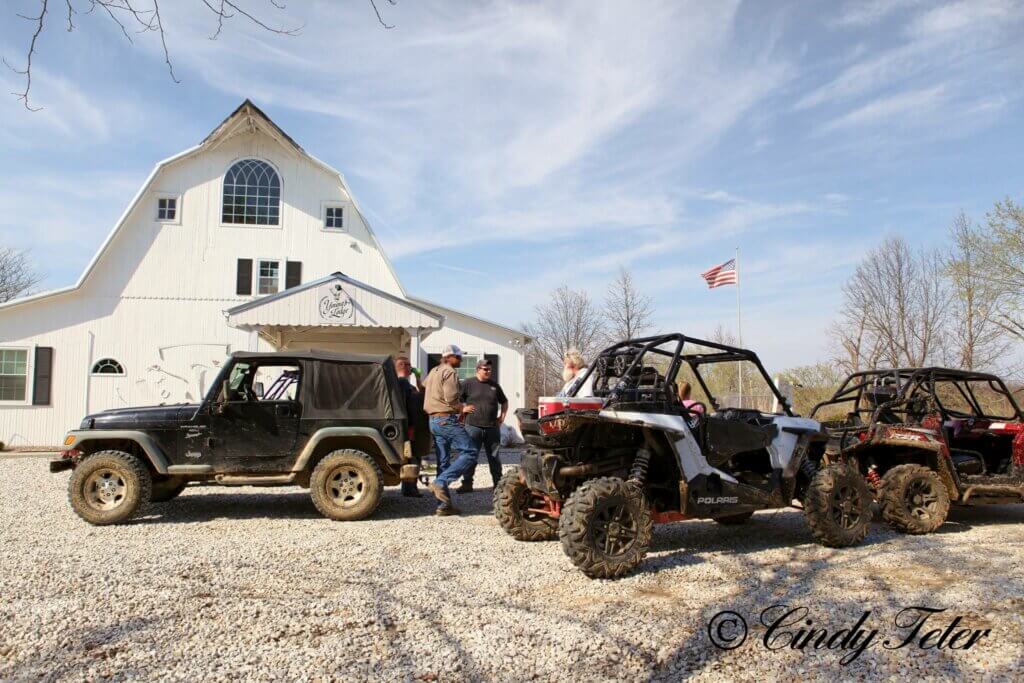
(739, 319)
(414, 346)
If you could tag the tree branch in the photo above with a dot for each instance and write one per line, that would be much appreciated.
(27, 73)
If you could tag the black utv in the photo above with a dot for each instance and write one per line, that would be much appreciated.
(334, 423)
(603, 468)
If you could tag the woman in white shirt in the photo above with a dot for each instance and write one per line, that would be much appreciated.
(573, 370)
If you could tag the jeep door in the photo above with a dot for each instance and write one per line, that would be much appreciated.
(255, 428)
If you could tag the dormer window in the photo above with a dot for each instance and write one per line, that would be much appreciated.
(167, 209)
(252, 194)
(334, 218)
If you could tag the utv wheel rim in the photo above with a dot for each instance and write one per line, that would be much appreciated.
(614, 529)
(346, 487)
(921, 499)
(105, 490)
(522, 502)
(846, 507)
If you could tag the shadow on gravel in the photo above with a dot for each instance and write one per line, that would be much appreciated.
(190, 508)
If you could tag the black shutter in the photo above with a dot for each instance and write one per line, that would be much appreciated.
(433, 360)
(292, 274)
(243, 284)
(42, 370)
(493, 357)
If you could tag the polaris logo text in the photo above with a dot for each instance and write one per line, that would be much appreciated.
(730, 500)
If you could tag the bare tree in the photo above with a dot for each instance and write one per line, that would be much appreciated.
(143, 16)
(568, 320)
(894, 307)
(628, 311)
(813, 384)
(16, 275)
(977, 340)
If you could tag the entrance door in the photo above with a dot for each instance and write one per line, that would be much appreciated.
(256, 429)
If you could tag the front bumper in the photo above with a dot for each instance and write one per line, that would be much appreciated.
(61, 464)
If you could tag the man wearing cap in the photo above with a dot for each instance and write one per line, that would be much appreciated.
(455, 452)
(483, 424)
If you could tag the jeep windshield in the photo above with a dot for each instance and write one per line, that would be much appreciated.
(650, 370)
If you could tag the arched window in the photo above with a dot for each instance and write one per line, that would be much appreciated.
(252, 194)
(107, 366)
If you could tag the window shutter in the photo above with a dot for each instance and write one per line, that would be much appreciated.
(493, 357)
(42, 370)
(243, 284)
(292, 274)
(433, 360)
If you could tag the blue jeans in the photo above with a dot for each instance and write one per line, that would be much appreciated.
(455, 452)
(490, 439)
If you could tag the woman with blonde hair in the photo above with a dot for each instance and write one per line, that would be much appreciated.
(573, 370)
(684, 398)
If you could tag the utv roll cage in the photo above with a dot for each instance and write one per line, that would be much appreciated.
(892, 390)
(624, 378)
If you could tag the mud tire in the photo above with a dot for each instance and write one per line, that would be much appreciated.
(511, 499)
(109, 487)
(837, 506)
(605, 527)
(346, 485)
(913, 499)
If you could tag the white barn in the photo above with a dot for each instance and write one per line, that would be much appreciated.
(243, 242)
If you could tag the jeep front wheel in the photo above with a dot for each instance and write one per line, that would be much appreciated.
(108, 487)
(512, 498)
(605, 527)
(913, 499)
(837, 506)
(346, 485)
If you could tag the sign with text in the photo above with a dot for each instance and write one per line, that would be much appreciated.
(334, 305)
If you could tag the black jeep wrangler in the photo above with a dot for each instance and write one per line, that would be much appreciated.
(335, 423)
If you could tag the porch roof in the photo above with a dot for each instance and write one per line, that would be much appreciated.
(333, 301)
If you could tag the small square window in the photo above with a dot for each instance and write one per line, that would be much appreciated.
(334, 218)
(268, 278)
(166, 209)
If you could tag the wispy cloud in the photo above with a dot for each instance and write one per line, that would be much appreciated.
(886, 109)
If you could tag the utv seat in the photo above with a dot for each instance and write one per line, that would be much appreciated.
(967, 462)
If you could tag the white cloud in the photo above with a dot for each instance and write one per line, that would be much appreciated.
(887, 109)
(864, 13)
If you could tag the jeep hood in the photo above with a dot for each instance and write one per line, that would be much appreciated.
(140, 418)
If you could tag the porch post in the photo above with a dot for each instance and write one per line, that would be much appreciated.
(414, 346)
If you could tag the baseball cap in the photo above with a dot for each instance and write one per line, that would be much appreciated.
(451, 350)
(483, 363)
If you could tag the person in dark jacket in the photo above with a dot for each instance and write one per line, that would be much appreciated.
(417, 419)
(484, 423)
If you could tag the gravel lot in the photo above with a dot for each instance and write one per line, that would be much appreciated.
(253, 584)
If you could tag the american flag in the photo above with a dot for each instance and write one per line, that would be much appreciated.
(722, 274)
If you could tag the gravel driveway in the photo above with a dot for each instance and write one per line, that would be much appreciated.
(223, 584)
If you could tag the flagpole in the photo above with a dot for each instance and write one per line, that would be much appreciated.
(739, 319)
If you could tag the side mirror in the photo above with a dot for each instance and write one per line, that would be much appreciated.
(257, 388)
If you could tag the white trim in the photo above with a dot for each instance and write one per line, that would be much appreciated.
(157, 196)
(30, 375)
(280, 198)
(345, 207)
(256, 275)
(514, 332)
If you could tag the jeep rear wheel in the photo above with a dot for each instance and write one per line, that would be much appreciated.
(913, 499)
(346, 485)
(167, 488)
(512, 498)
(837, 506)
(108, 487)
(605, 527)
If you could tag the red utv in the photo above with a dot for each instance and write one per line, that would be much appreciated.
(926, 438)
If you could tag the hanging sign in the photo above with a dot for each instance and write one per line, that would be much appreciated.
(335, 305)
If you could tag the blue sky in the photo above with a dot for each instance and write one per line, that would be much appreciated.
(503, 148)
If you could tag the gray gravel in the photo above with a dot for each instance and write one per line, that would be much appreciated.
(227, 584)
